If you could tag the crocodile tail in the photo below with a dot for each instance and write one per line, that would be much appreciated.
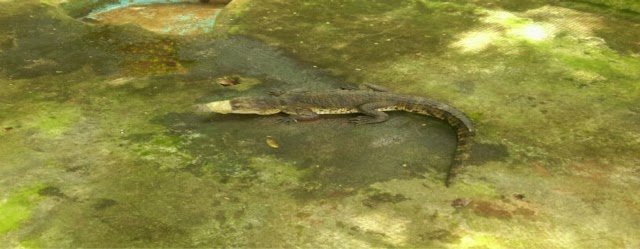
(463, 151)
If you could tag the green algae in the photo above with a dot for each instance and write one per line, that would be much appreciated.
(54, 120)
(333, 28)
(597, 61)
(624, 5)
(48, 119)
(17, 207)
(37, 61)
(477, 190)
(165, 150)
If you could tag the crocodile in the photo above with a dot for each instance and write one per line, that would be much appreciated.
(373, 103)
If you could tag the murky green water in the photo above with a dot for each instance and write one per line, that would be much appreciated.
(100, 146)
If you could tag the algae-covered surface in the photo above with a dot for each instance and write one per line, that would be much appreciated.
(100, 146)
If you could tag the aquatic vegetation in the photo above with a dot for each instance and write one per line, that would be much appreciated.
(162, 149)
(45, 119)
(616, 4)
(54, 120)
(17, 207)
(373, 32)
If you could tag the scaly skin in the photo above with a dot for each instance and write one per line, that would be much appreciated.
(309, 105)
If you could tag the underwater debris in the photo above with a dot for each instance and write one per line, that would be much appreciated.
(376, 199)
(228, 80)
(51, 191)
(103, 203)
(272, 142)
(440, 235)
(460, 202)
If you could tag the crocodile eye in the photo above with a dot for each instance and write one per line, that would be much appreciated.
(239, 102)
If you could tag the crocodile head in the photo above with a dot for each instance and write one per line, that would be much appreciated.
(243, 105)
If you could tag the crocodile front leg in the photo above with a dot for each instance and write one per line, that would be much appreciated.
(372, 114)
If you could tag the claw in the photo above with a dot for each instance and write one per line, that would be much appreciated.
(360, 120)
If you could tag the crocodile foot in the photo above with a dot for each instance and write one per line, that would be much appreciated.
(360, 120)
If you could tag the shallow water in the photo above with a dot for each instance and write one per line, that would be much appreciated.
(100, 145)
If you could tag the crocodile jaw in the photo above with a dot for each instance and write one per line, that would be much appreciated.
(223, 107)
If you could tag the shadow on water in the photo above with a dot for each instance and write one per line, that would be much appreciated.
(338, 158)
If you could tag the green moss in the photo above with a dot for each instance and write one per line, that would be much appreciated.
(477, 190)
(276, 172)
(54, 122)
(625, 5)
(166, 141)
(619, 37)
(18, 207)
(599, 64)
(341, 35)
(31, 244)
(48, 119)
(577, 63)
(166, 150)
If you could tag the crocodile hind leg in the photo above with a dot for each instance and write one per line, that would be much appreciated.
(372, 114)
